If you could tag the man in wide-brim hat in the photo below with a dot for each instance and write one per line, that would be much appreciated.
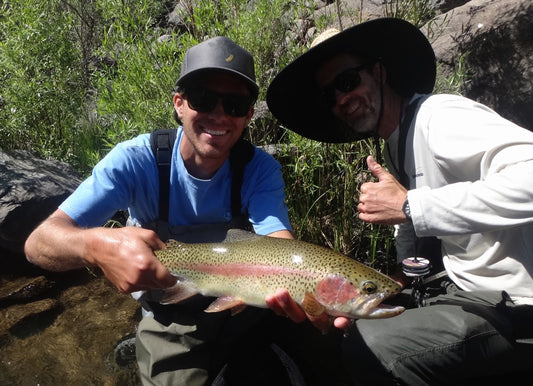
(461, 174)
(406, 56)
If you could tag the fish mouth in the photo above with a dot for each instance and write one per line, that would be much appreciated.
(383, 311)
(379, 310)
(371, 307)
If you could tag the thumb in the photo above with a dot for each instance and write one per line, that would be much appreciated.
(376, 168)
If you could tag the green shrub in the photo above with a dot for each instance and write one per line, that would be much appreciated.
(41, 86)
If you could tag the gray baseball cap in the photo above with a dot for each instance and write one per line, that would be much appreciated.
(219, 53)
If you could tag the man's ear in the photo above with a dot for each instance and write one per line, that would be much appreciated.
(380, 72)
(249, 116)
(178, 104)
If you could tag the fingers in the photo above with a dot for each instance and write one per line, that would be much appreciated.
(381, 202)
(163, 278)
(151, 239)
(282, 304)
(126, 257)
(343, 323)
(376, 169)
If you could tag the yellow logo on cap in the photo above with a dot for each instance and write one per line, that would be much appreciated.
(229, 58)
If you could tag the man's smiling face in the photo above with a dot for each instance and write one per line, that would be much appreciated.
(212, 134)
(359, 107)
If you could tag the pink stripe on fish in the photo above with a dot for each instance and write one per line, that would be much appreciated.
(242, 269)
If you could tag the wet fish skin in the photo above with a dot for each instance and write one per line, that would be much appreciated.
(244, 271)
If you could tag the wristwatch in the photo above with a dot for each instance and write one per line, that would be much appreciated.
(406, 210)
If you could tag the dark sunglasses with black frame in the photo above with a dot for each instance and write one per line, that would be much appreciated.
(204, 100)
(346, 81)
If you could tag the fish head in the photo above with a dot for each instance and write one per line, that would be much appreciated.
(360, 299)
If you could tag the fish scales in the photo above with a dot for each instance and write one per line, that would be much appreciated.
(245, 271)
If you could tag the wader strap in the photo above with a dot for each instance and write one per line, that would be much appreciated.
(162, 143)
(241, 153)
(404, 131)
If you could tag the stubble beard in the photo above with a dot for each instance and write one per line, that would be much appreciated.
(367, 123)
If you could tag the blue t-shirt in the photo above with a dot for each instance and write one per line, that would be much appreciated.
(127, 178)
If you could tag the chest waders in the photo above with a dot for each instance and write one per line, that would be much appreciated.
(183, 345)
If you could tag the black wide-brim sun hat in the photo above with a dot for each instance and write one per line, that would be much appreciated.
(293, 96)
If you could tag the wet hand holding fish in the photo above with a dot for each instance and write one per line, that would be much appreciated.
(244, 271)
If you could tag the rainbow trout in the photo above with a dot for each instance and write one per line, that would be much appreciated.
(244, 271)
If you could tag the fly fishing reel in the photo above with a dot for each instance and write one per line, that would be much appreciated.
(417, 268)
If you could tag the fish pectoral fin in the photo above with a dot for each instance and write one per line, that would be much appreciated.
(177, 293)
(238, 309)
(226, 303)
(311, 306)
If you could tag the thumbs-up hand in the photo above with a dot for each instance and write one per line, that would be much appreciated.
(381, 202)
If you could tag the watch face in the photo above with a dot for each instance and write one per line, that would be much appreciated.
(406, 210)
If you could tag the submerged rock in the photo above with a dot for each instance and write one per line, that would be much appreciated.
(14, 315)
(24, 288)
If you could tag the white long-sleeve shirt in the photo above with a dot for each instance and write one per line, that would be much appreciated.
(471, 179)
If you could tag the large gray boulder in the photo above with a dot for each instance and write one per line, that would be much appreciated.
(30, 189)
(493, 39)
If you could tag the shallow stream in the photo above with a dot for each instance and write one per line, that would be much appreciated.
(64, 329)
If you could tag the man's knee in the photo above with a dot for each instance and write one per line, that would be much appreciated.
(165, 355)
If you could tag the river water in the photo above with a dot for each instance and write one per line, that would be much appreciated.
(71, 331)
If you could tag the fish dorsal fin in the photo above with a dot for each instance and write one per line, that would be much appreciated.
(240, 235)
(311, 306)
(225, 303)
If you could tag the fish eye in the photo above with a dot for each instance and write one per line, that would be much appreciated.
(369, 287)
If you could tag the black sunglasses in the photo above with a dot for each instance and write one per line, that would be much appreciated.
(346, 81)
(204, 100)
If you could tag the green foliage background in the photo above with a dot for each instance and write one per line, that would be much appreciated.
(79, 76)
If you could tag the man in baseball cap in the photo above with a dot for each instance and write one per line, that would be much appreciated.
(191, 184)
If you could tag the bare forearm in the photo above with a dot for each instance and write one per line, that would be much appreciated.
(56, 244)
(125, 255)
(284, 234)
